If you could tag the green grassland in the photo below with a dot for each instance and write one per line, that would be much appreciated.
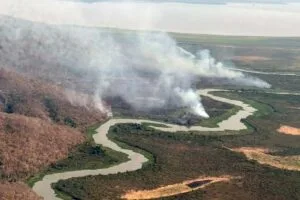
(253, 41)
(281, 54)
(268, 54)
(181, 156)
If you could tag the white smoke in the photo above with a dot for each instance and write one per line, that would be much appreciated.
(89, 102)
(148, 70)
(191, 98)
(209, 67)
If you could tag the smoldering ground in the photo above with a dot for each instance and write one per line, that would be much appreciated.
(146, 69)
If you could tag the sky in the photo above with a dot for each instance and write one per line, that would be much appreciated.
(229, 19)
(208, 1)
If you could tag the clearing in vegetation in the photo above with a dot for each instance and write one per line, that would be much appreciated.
(262, 156)
(179, 188)
(289, 130)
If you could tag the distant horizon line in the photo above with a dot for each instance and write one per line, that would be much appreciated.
(128, 30)
(216, 2)
(269, 20)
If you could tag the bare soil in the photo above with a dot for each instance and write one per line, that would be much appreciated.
(175, 189)
(261, 156)
(289, 130)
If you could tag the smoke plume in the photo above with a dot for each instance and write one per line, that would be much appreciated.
(147, 69)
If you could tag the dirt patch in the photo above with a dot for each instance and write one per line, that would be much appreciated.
(289, 130)
(175, 189)
(261, 156)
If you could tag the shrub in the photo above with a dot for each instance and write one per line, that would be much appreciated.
(9, 108)
(51, 108)
(70, 122)
(96, 150)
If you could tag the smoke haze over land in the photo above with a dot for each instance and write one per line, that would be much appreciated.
(148, 70)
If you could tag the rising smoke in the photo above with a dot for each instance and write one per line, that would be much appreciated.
(148, 70)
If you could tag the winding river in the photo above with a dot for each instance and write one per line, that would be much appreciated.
(43, 187)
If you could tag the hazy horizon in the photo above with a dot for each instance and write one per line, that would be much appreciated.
(230, 19)
(202, 1)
